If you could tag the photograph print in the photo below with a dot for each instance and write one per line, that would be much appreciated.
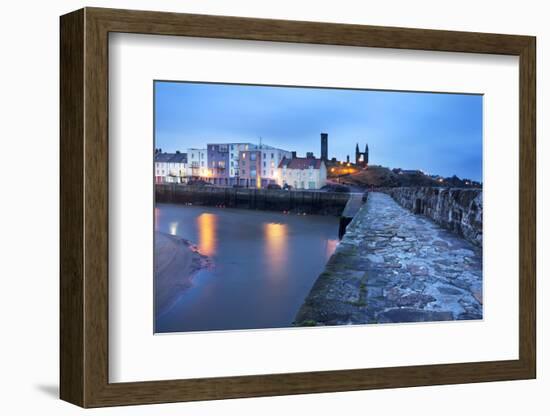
(294, 207)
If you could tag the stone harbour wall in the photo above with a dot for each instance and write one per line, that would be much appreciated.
(456, 209)
(394, 266)
(310, 202)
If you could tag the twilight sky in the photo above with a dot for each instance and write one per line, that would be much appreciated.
(438, 133)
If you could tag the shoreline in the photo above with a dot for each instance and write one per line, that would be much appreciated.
(177, 261)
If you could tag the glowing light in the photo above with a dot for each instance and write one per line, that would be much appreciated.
(276, 236)
(173, 228)
(207, 233)
(349, 164)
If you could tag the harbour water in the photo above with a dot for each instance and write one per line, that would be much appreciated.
(263, 265)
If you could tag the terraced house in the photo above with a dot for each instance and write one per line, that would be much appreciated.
(170, 167)
(302, 173)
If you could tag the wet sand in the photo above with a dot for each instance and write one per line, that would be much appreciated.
(176, 262)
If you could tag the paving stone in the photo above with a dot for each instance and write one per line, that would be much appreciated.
(395, 266)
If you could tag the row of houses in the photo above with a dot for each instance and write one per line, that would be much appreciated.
(241, 164)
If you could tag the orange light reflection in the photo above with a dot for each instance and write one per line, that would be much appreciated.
(331, 247)
(276, 236)
(207, 233)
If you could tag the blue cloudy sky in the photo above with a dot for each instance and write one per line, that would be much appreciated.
(438, 133)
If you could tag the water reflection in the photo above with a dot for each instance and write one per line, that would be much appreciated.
(331, 247)
(276, 246)
(206, 224)
(263, 266)
(173, 228)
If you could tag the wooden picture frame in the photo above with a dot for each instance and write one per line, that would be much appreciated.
(84, 207)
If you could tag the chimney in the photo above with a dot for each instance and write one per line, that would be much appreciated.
(293, 154)
(309, 155)
(324, 146)
(347, 158)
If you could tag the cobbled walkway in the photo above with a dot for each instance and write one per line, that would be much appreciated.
(395, 266)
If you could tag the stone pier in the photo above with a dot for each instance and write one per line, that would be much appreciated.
(395, 266)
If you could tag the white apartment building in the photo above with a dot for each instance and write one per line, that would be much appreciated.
(271, 159)
(197, 163)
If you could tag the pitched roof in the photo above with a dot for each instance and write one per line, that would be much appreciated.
(179, 158)
(301, 163)
(171, 157)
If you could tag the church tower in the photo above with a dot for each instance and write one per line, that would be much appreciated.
(357, 154)
(366, 158)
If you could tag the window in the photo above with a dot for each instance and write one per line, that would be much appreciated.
(202, 164)
(243, 172)
(311, 185)
(252, 173)
(265, 155)
(272, 155)
(264, 163)
(252, 156)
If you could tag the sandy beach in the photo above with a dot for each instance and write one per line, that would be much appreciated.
(176, 262)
